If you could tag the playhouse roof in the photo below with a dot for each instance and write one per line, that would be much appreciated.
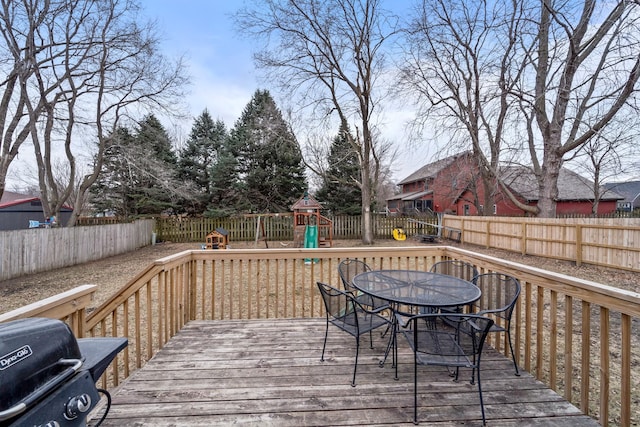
(306, 202)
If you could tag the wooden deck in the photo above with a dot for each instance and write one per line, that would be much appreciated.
(268, 372)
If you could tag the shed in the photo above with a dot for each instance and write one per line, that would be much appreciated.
(18, 210)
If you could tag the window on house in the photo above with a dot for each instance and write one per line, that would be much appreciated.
(495, 209)
(466, 210)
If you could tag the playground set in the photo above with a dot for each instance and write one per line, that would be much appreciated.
(313, 230)
(310, 229)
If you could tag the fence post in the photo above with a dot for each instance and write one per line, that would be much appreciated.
(578, 245)
(488, 242)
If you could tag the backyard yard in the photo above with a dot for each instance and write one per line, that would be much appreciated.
(111, 274)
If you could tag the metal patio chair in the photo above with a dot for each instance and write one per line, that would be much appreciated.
(348, 269)
(500, 293)
(453, 340)
(460, 269)
(347, 314)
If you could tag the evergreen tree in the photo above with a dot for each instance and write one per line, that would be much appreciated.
(226, 189)
(138, 176)
(116, 181)
(339, 192)
(200, 154)
(157, 169)
(270, 166)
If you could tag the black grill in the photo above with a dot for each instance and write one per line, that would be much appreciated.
(47, 377)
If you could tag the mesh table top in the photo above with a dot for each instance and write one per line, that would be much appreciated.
(417, 288)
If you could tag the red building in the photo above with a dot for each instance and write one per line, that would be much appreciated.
(452, 185)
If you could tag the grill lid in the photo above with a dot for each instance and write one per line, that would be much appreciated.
(36, 356)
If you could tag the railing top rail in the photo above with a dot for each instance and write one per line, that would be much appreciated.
(124, 293)
(622, 300)
(63, 304)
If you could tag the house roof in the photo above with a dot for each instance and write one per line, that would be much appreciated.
(571, 186)
(432, 169)
(521, 180)
(9, 198)
(629, 190)
(416, 195)
(306, 202)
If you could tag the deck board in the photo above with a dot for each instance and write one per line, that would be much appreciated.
(268, 372)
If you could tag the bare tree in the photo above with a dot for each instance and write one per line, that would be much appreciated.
(459, 67)
(330, 52)
(606, 155)
(88, 64)
(19, 23)
(586, 70)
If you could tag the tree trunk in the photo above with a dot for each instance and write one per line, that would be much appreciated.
(367, 224)
(548, 186)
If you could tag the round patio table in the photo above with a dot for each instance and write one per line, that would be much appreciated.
(408, 289)
(417, 288)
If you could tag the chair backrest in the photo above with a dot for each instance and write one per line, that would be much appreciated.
(499, 294)
(348, 269)
(444, 337)
(460, 269)
(338, 303)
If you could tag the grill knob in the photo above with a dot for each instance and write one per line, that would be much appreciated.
(77, 405)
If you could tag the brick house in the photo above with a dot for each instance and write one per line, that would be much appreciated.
(451, 185)
(433, 187)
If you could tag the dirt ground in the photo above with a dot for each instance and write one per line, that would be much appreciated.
(114, 272)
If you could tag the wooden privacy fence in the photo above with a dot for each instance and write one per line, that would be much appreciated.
(43, 249)
(612, 242)
(579, 337)
(605, 242)
(279, 227)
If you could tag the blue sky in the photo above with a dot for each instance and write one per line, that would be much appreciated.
(220, 62)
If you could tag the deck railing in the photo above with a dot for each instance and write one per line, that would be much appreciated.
(579, 337)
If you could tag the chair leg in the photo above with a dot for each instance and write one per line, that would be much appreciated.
(326, 333)
(484, 421)
(513, 354)
(355, 365)
(415, 387)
